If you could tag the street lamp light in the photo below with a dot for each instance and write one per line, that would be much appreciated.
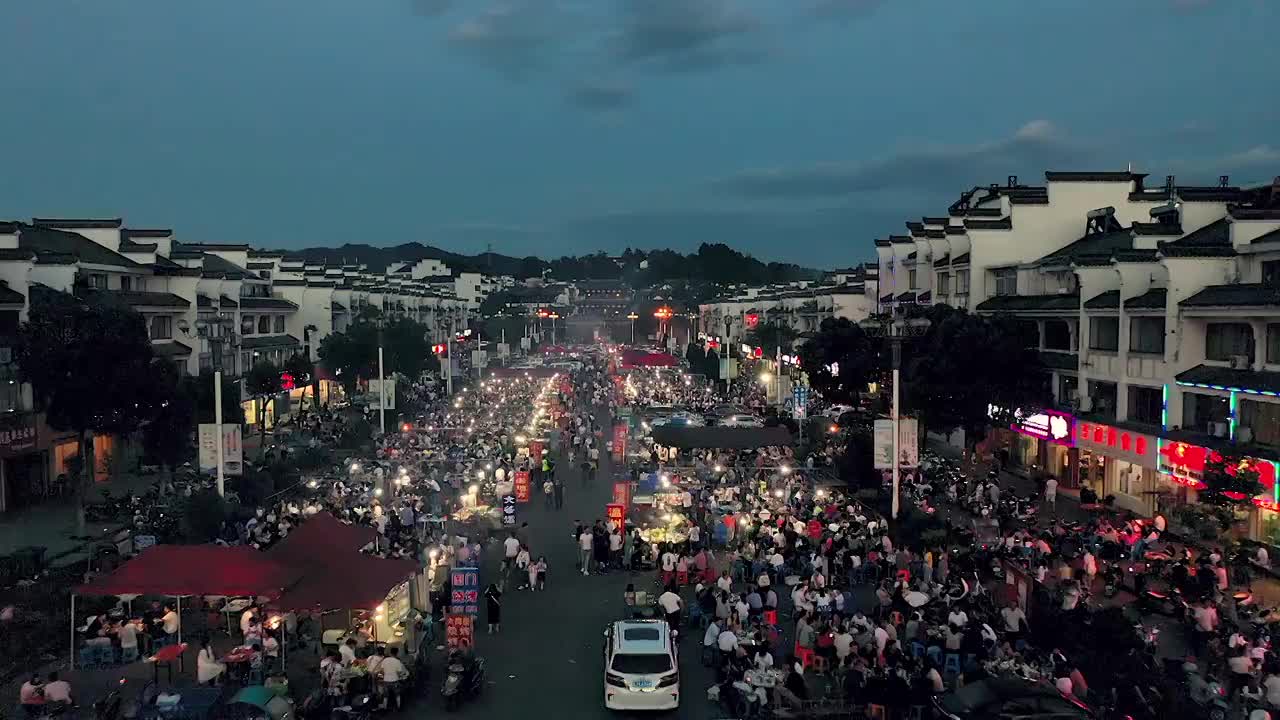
(633, 317)
(554, 316)
(896, 331)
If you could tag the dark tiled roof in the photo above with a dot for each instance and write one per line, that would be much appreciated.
(1059, 360)
(907, 296)
(1014, 303)
(1092, 260)
(935, 233)
(1273, 236)
(942, 262)
(1108, 300)
(1154, 298)
(261, 303)
(1135, 255)
(268, 341)
(127, 245)
(9, 296)
(53, 258)
(1209, 194)
(934, 220)
(1126, 176)
(1156, 228)
(901, 240)
(227, 302)
(1241, 213)
(1028, 199)
(1002, 224)
(17, 254)
(259, 265)
(203, 247)
(1228, 378)
(204, 301)
(137, 298)
(882, 242)
(338, 306)
(9, 227)
(955, 230)
(1214, 238)
(170, 348)
(925, 297)
(265, 254)
(961, 259)
(62, 242)
(1205, 251)
(155, 233)
(1241, 294)
(79, 223)
(886, 298)
(1103, 243)
(216, 266)
(1149, 195)
(912, 225)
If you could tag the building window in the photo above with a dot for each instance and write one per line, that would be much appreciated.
(161, 327)
(911, 279)
(1103, 396)
(1223, 341)
(1146, 335)
(1146, 404)
(1205, 413)
(1057, 335)
(126, 283)
(1104, 334)
(264, 274)
(962, 282)
(98, 281)
(246, 324)
(1259, 422)
(278, 324)
(1273, 342)
(264, 324)
(1067, 385)
(1006, 281)
(1271, 273)
(944, 283)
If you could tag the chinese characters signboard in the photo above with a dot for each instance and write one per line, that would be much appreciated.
(619, 441)
(1048, 425)
(622, 493)
(232, 449)
(616, 513)
(459, 631)
(17, 436)
(464, 595)
(508, 509)
(522, 486)
(1135, 447)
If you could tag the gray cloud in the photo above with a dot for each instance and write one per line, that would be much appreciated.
(1035, 147)
(514, 36)
(688, 35)
(600, 97)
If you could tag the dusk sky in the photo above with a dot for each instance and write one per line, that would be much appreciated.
(795, 130)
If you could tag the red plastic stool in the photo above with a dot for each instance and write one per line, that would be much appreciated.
(805, 655)
(771, 618)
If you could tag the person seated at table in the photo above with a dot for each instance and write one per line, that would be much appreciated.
(127, 635)
(31, 696)
(271, 648)
(331, 672)
(253, 633)
(208, 668)
(168, 624)
(58, 691)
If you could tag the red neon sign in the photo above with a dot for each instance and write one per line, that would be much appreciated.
(1111, 437)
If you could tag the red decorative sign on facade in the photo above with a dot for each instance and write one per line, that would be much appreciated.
(459, 631)
(751, 320)
(622, 493)
(616, 513)
(619, 442)
(1185, 463)
(535, 451)
(522, 486)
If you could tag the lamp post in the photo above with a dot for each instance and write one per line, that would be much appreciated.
(664, 316)
(554, 316)
(633, 317)
(896, 332)
(382, 387)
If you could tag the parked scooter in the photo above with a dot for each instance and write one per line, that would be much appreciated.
(464, 678)
(108, 708)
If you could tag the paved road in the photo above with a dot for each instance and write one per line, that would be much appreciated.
(547, 662)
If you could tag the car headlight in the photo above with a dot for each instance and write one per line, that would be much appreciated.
(615, 679)
(668, 681)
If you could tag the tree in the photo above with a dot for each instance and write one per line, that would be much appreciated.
(696, 358)
(167, 436)
(406, 350)
(351, 355)
(1229, 480)
(840, 360)
(201, 391)
(91, 369)
(964, 365)
(261, 383)
(303, 372)
(711, 365)
(769, 336)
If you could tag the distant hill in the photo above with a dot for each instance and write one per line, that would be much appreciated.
(712, 263)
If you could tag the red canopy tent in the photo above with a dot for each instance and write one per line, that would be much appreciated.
(347, 580)
(194, 570)
(322, 535)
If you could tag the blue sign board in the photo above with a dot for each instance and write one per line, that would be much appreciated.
(648, 484)
(465, 594)
(508, 509)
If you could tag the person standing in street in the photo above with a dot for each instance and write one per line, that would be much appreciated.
(585, 541)
(1051, 493)
(493, 599)
(558, 489)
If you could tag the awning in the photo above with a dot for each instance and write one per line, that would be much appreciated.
(195, 570)
(322, 535)
(348, 581)
(730, 438)
(639, 358)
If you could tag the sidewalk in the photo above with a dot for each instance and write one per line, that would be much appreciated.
(52, 524)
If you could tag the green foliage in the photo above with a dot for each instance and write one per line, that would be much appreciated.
(200, 389)
(696, 357)
(711, 365)
(202, 516)
(1229, 480)
(769, 336)
(167, 437)
(353, 354)
(406, 349)
(856, 355)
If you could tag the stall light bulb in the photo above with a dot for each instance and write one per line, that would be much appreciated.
(819, 493)
(719, 469)
(778, 493)
(474, 489)
(785, 469)
(378, 492)
(313, 484)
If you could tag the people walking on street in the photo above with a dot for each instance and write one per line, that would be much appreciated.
(493, 600)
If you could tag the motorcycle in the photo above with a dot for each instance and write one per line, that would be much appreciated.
(461, 682)
(108, 708)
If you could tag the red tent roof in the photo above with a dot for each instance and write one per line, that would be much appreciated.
(349, 580)
(194, 570)
(640, 358)
(321, 535)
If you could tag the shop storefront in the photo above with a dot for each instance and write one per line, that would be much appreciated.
(23, 476)
(1182, 464)
(1038, 440)
(1121, 463)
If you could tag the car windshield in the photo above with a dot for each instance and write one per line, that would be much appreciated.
(641, 664)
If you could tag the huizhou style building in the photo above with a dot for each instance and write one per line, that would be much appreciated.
(1157, 313)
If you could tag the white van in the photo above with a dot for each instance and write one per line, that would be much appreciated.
(641, 666)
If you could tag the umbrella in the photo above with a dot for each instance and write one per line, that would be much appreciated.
(256, 695)
(916, 599)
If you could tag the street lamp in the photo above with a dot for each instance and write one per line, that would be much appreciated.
(664, 315)
(896, 332)
(554, 316)
(633, 317)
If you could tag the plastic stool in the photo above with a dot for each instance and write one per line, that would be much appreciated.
(805, 655)
(917, 650)
(934, 653)
(951, 664)
(771, 618)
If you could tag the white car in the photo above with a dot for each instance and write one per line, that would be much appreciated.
(641, 666)
(835, 411)
(742, 421)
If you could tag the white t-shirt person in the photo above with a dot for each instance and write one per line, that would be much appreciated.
(512, 547)
(668, 561)
(670, 602)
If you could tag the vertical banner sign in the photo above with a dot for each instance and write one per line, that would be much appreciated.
(535, 451)
(509, 509)
(799, 402)
(464, 598)
(616, 513)
(619, 442)
(232, 449)
(459, 631)
(908, 443)
(883, 435)
(522, 486)
(622, 493)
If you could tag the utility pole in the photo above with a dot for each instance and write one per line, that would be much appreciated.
(897, 429)
(217, 421)
(382, 391)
